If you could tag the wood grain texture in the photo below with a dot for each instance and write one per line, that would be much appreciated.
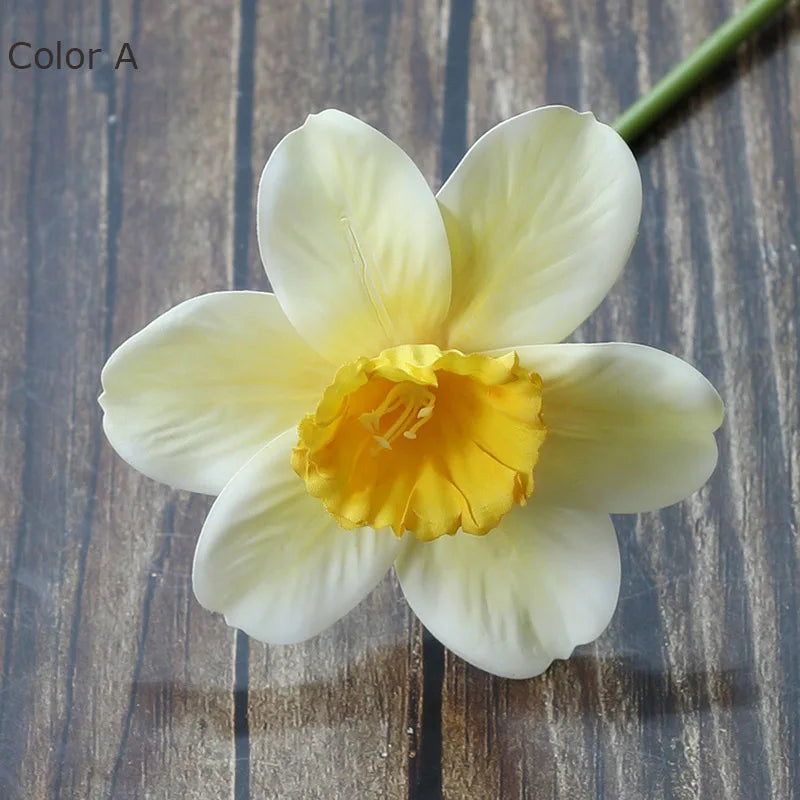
(112, 683)
(123, 193)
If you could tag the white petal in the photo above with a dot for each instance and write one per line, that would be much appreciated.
(191, 397)
(541, 216)
(352, 239)
(275, 562)
(541, 583)
(629, 428)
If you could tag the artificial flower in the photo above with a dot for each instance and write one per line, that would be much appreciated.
(401, 399)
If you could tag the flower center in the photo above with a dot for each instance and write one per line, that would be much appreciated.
(407, 406)
(424, 441)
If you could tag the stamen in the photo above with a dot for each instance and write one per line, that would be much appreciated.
(399, 424)
(411, 433)
(413, 401)
(391, 402)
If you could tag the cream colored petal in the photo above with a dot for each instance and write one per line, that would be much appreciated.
(531, 590)
(541, 216)
(352, 239)
(629, 428)
(191, 397)
(274, 562)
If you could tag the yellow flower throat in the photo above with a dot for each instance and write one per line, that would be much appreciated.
(423, 440)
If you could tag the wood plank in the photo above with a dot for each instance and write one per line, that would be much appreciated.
(114, 685)
(338, 717)
(15, 255)
(691, 692)
(61, 244)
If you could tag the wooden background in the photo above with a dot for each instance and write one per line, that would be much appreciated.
(124, 193)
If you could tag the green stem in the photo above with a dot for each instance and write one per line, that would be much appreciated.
(683, 78)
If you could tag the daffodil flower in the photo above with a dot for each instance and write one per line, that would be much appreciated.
(401, 399)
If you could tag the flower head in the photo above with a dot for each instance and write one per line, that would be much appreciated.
(401, 397)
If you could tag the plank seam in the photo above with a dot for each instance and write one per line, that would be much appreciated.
(425, 777)
(242, 217)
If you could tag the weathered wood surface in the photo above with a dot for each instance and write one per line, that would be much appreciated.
(124, 193)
